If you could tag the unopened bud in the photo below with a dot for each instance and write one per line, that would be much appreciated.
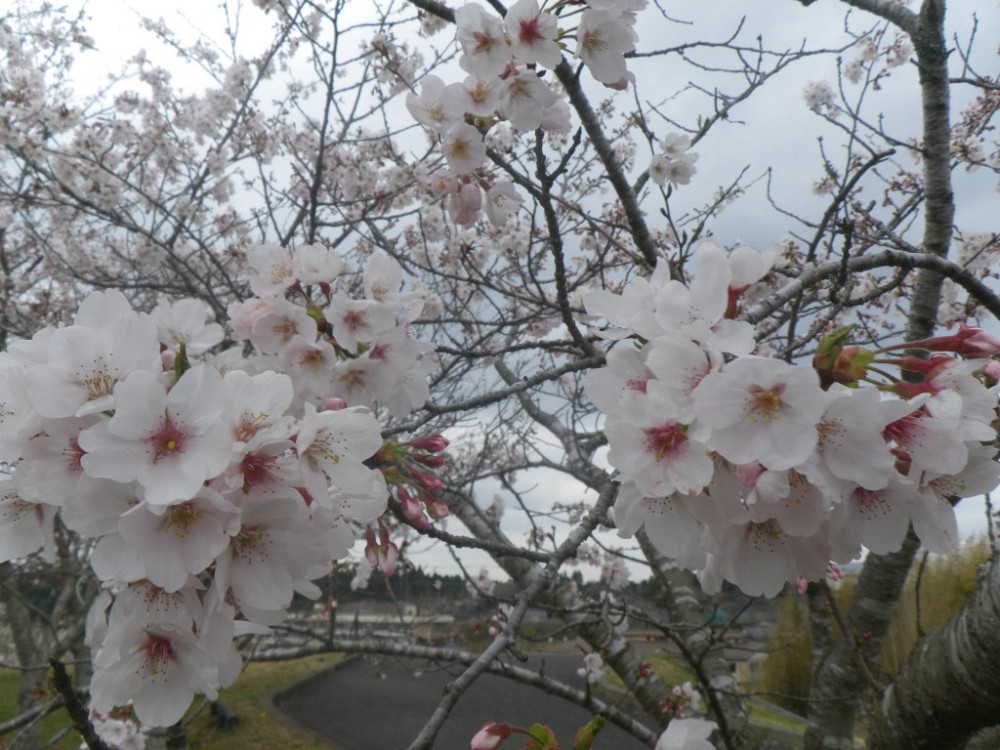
(491, 736)
(334, 404)
(431, 444)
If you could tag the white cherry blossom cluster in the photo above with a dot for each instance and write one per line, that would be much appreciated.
(675, 162)
(213, 492)
(328, 340)
(502, 57)
(870, 48)
(757, 471)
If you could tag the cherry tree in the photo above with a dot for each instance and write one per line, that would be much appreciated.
(391, 261)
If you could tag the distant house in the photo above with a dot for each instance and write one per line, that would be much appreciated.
(748, 666)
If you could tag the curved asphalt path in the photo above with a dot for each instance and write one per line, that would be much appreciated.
(382, 704)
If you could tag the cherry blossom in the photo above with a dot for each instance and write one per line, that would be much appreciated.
(602, 39)
(532, 34)
(660, 454)
(463, 147)
(332, 445)
(524, 99)
(761, 410)
(85, 365)
(687, 734)
(484, 46)
(25, 527)
(170, 442)
(438, 107)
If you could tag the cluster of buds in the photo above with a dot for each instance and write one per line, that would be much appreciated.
(682, 698)
(407, 468)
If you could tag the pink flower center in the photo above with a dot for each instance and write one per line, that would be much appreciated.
(903, 430)
(168, 439)
(664, 441)
(593, 42)
(285, 329)
(354, 319)
(527, 31)
(637, 384)
(158, 652)
(73, 454)
(257, 470)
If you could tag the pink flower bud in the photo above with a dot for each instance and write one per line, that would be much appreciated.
(429, 482)
(412, 509)
(433, 462)
(334, 404)
(970, 342)
(834, 573)
(491, 736)
(388, 558)
(437, 509)
(168, 358)
(431, 444)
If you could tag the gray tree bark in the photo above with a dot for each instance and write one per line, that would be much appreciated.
(950, 686)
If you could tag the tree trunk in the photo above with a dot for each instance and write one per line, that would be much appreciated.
(950, 686)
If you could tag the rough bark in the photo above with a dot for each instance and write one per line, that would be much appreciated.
(950, 686)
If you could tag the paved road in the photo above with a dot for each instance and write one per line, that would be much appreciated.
(382, 705)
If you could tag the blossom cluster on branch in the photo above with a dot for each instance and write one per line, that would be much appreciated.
(219, 485)
(759, 471)
(503, 57)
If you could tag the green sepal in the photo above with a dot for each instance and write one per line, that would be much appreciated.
(181, 362)
(830, 347)
(584, 739)
(540, 737)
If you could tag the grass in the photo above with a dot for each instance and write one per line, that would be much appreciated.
(766, 717)
(52, 725)
(256, 730)
(670, 671)
(673, 672)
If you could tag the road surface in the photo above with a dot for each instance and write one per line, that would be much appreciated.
(381, 704)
